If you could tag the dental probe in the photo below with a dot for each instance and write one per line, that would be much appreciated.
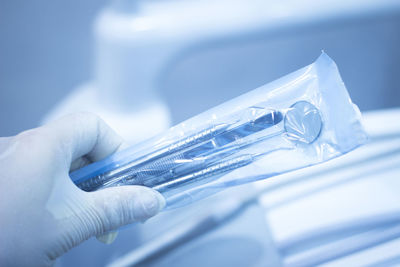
(93, 183)
(163, 158)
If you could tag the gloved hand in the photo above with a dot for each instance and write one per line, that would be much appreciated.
(42, 213)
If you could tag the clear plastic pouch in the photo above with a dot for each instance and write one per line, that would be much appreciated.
(299, 120)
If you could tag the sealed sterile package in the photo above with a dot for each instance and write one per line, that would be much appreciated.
(299, 120)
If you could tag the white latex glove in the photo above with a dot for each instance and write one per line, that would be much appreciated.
(42, 213)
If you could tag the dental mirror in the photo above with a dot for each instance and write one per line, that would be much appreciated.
(303, 122)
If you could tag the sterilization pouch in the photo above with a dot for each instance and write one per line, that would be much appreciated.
(301, 119)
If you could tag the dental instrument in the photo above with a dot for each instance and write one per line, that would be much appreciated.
(301, 113)
(178, 164)
(164, 157)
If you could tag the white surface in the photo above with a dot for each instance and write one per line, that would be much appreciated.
(371, 256)
(368, 189)
(355, 187)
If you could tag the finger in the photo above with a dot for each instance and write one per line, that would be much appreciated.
(118, 206)
(83, 161)
(79, 163)
(107, 238)
(82, 134)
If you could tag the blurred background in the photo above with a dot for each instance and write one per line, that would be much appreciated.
(133, 62)
(48, 48)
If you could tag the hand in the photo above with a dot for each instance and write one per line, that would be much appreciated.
(42, 213)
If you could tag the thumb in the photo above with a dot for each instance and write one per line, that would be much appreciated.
(114, 207)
